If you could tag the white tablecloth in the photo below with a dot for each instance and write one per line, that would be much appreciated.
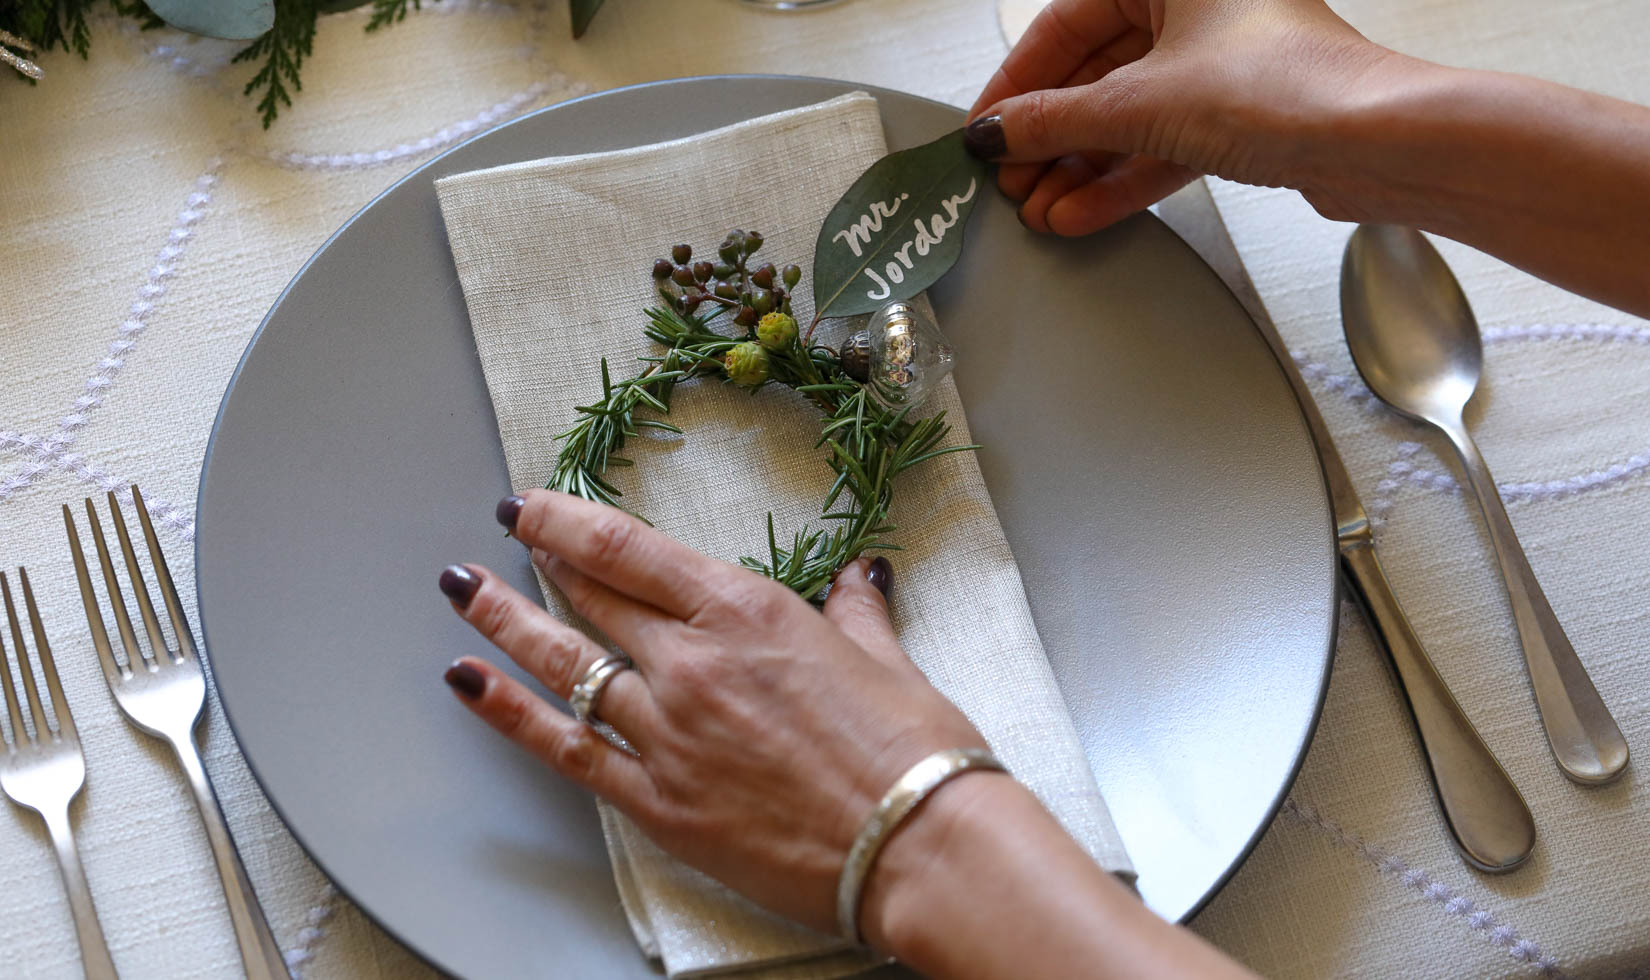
(150, 223)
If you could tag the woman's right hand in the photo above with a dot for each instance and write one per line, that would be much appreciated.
(1107, 106)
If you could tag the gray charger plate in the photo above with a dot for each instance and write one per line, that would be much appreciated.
(1146, 456)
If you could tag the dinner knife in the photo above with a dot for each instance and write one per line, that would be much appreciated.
(1486, 815)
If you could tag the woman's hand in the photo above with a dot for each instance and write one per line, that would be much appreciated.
(1107, 106)
(766, 731)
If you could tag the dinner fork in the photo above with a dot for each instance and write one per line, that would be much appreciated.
(45, 771)
(164, 693)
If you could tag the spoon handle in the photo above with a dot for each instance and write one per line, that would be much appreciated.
(1485, 813)
(1584, 737)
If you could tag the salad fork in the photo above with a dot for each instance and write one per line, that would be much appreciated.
(44, 771)
(163, 692)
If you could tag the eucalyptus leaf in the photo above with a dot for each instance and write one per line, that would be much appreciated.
(898, 229)
(584, 11)
(238, 20)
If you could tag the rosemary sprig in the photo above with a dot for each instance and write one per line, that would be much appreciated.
(590, 446)
(868, 445)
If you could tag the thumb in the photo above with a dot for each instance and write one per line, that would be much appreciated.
(859, 607)
(1112, 115)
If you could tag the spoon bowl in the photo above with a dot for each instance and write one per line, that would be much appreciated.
(1408, 323)
(1415, 342)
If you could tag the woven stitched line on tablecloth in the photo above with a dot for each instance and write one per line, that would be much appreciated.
(50, 452)
(1402, 471)
(1478, 918)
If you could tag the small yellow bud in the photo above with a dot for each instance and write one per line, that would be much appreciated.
(747, 364)
(777, 331)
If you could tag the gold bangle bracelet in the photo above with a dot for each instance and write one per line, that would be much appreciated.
(903, 797)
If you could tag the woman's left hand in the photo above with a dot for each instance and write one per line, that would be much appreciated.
(765, 731)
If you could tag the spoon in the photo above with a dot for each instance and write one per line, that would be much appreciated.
(1415, 341)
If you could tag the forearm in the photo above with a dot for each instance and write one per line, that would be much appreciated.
(983, 883)
(1551, 179)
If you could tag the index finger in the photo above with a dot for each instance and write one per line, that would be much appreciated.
(1057, 43)
(616, 549)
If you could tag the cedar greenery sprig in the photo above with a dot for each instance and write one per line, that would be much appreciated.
(283, 51)
(45, 24)
(292, 39)
(868, 445)
(387, 12)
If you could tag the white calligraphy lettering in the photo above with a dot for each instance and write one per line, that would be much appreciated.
(886, 292)
(924, 241)
(928, 237)
(858, 234)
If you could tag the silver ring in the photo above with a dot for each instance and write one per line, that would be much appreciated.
(589, 688)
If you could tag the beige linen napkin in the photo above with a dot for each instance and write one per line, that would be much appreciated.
(554, 258)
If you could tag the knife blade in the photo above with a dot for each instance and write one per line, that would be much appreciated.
(1487, 818)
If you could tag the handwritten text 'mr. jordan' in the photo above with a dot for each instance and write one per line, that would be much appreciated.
(857, 235)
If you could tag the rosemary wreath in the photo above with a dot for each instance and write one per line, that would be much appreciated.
(868, 444)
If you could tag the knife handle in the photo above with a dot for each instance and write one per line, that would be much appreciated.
(1486, 815)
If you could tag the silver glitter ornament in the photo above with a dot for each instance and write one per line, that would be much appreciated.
(909, 356)
(17, 60)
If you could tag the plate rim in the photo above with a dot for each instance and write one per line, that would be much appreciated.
(1335, 596)
(413, 945)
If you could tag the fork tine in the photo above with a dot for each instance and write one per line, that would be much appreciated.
(42, 731)
(117, 601)
(48, 666)
(20, 735)
(146, 608)
(112, 671)
(163, 577)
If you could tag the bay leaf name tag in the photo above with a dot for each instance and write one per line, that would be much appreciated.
(898, 229)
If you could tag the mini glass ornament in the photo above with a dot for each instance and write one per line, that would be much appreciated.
(909, 357)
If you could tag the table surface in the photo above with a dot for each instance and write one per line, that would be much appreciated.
(151, 223)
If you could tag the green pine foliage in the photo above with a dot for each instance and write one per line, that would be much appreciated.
(385, 12)
(282, 52)
(279, 54)
(49, 24)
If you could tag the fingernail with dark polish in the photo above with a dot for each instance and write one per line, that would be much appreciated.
(508, 510)
(880, 574)
(459, 584)
(466, 680)
(984, 137)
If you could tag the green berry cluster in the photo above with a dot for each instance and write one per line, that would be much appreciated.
(757, 296)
